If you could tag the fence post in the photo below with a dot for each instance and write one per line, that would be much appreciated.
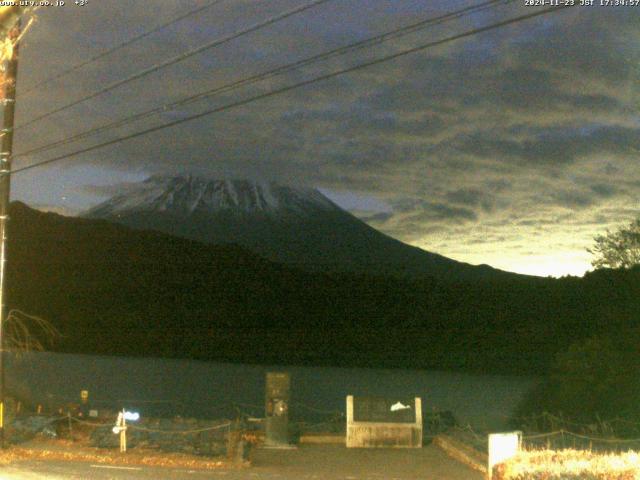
(232, 439)
(122, 424)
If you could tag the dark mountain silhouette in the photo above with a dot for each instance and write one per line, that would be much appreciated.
(113, 290)
(296, 226)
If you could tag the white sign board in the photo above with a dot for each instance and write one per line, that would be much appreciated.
(503, 446)
(374, 422)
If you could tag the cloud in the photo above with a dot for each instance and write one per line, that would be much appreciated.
(604, 190)
(532, 125)
(417, 211)
(109, 190)
(550, 146)
(376, 218)
(471, 197)
(573, 199)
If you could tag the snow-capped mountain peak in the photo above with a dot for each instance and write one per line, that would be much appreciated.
(188, 194)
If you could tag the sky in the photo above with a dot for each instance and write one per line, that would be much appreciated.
(513, 147)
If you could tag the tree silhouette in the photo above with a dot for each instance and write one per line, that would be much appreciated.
(619, 249)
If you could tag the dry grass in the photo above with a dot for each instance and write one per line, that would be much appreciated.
(569, 464)
(61, 450)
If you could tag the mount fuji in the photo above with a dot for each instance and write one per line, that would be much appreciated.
(296, 226)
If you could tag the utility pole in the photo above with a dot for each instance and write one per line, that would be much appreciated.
(8, 99)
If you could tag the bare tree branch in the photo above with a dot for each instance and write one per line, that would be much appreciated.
(26, 333)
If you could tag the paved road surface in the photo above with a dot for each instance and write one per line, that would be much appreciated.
(322, 462)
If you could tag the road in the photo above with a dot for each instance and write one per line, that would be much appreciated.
(322, 462)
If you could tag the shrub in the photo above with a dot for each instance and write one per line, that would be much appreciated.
(569, 464)
(595, 379)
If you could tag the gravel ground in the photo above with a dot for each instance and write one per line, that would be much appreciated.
(337, 462)
(322, 462)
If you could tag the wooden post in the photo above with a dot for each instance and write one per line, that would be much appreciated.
(9, 77)
(123, 433)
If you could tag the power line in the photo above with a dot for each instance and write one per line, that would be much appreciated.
(294, 86)
(120, 46)
(177, 59)
(372, 41)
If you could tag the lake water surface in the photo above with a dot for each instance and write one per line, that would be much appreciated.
(215, 390)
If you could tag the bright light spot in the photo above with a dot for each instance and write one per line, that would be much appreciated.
(132, 416)
(552, 264)
(542, 264)
(502, 446)
(399, 406)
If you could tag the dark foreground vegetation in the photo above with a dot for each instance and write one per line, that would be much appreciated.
(112, 290)
(594, 386)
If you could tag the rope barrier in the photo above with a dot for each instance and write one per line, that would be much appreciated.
(146, 429)
(554, 418)
(541, 435)
(318, 410)
(479, 437)
(311, 426)
(84, 422)
(468, 428)
(585, 437)
(179, 432)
